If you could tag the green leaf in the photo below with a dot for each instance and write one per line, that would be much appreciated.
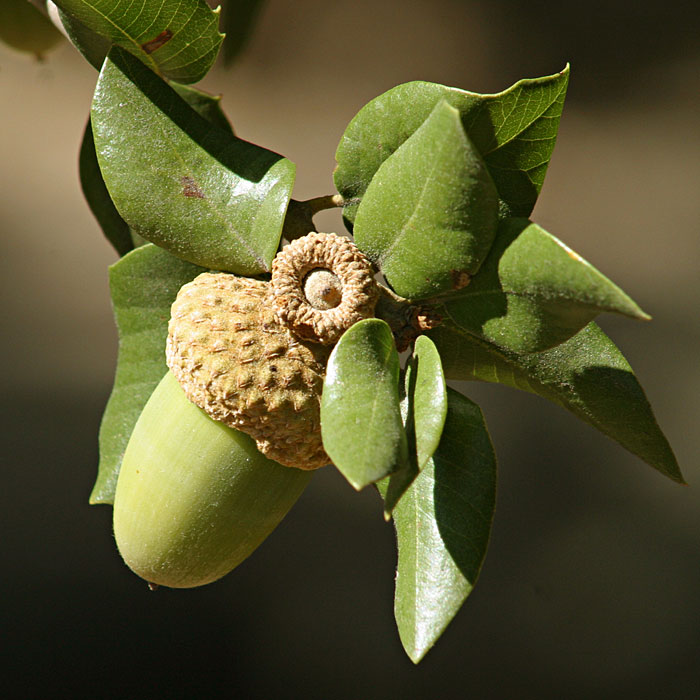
(238, 19)
(178, 40)
(533, 292)
(113, 226)
(514, 131)
(209, 106)
(115, 229)
(430, 213)
(442, 525)
(192, 188)
(360, 418)
(24, 28)
(587, 375)
(429, 398)
(92, 46)
(423, 410)
(144, 284)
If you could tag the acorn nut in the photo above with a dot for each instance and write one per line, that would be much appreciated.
(322, 284)
(236, 361)
(194, 497)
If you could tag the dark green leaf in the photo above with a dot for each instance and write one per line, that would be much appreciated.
(179, 40)
(423, 409)
(238, 19)
(360, 418)
(92, 46)
(115, 229)
(209, 106)
(587, 375)
(143, 284)
(533, 292)
(443, 524)
(430, 213)
(24, 28)
(195, 190)
(514, 131)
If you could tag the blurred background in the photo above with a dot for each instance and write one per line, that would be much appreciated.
(591, 587)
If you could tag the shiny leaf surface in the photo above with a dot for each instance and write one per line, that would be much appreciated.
(514, 131)
(587, 375)
(190, 187)
(430, 213)
(116, 230)
(178, 40)
(533, 292)
(423, 409)
(143, 285)
(360, 418)
(443, 523)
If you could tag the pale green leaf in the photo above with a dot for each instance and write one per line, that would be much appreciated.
(143, 284)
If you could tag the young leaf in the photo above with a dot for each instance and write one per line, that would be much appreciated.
(514, 131)
(194, 189)
(178, 40)
(360, 417)
(443, 524)
(430, 213)
(587, 375)
(532, 292)
(143, 284)
(423, 409)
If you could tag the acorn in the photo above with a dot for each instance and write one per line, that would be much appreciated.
(323, 284)
(195, 497)
(252, 354)
(229, 438)
(236, 361)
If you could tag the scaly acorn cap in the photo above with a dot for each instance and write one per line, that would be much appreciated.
(237, 362)
(322, 284)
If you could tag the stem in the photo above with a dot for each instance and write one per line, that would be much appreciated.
(299, 219)
(329, 201)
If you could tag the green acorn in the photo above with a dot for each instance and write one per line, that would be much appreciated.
(195, 497)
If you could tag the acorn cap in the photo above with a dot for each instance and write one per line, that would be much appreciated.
(322, 284)
(237, 362)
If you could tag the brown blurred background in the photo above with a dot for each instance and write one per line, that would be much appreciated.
(591, 588)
